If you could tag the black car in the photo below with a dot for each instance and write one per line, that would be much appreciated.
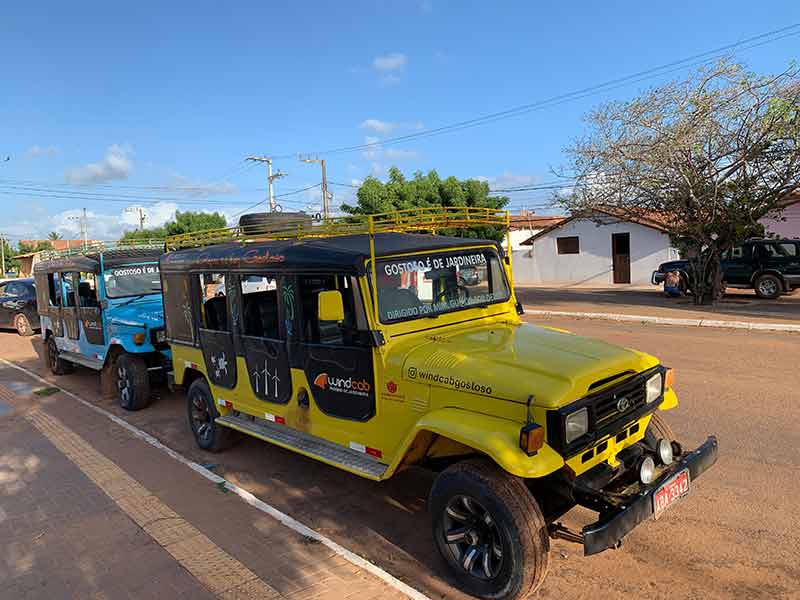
(18, 306)
(770, 267)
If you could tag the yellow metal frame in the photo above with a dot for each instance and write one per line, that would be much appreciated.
(411, 220)
(92, 247)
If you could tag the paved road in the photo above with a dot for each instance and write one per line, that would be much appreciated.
(737, 305)
(736, 536)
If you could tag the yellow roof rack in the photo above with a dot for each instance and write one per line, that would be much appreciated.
(399, 221)
(97, 247)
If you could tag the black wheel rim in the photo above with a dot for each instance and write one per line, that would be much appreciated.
(22, 325)
(52, 355)
(768, 287)
(201, 418)
(473, 538)
(123, 385)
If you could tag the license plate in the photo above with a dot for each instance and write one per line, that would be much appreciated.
(670, 492)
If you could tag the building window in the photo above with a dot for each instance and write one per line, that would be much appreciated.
(568, 245)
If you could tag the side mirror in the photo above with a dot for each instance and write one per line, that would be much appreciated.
(331, 307)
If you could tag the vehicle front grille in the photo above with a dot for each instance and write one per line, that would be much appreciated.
(609, 411)
(606, 406)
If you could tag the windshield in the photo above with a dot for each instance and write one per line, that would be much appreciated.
(431, 284)
(132, 280)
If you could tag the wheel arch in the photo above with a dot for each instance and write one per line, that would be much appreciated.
(454, 429)
(773, 272)
(190, 376)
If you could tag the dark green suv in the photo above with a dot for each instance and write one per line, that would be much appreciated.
(770, 267)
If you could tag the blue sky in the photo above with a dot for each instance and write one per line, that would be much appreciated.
(110, 106)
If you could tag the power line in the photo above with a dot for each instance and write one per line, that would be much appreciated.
(694, 60)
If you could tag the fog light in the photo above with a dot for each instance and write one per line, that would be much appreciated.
(647, 469)
(665, 451)
(138, 339)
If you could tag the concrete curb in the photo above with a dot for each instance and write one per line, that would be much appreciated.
(785, 327)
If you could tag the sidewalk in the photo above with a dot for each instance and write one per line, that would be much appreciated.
(87, 510)
(736, 306)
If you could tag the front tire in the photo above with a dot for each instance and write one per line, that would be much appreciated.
(58, 366)
(658, 428)
(202, 419)
(768, 287)
(490, 530)
(133, 382)
(23, 325)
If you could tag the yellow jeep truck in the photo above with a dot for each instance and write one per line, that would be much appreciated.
(362, 345)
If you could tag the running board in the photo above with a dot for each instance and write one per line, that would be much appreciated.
(304, 443)
(80, 359)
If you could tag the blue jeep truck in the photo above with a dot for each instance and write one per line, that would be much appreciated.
(102, 308)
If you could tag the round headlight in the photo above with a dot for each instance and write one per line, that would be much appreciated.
(647, 469)
(665, 451)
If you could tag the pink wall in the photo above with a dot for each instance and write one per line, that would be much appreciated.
(790, 228)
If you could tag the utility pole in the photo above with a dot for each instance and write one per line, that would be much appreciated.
(140, 211)
(270, 177)
(82, 223)
(325, 198)
(3, 254)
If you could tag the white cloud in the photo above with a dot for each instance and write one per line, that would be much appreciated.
(115, 165)
(399, 154)
(394, 61)
(378, 153)
(184, 184)
(37, 151)
(378, 126)
(509, 179)
(390, 80)
(386, 127)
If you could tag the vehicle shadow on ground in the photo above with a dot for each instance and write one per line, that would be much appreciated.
(385, 522)
(741, 303)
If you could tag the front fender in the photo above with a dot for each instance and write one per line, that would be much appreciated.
(497, 438)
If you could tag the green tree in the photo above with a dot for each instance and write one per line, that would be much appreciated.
(53, 235)
(184, 222)
(707, 156)
(426, 191)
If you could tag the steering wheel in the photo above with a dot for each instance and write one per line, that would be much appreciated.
(459, 292)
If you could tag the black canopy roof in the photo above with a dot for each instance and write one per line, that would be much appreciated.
(90, 262)
(335, 254)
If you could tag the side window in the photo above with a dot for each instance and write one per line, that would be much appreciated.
(333, 333)
(780, 250)
(260, 307)
(87, 291)
(54, 288)
(3, 289)
(69, 295)
(213, 307)
(737, 252)
(568, 245)
(13, 289)
(178, 307)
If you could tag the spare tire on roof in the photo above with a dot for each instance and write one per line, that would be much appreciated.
(253, 223)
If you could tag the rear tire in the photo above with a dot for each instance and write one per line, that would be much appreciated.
(133, 382)
(58, 366)
(202, 415)
(768, 287)
(23, 325)
(490, 530)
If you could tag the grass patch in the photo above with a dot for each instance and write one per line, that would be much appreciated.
(47, 391)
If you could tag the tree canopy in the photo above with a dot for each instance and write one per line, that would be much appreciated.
(424, 191)
(184, 222)
(706, 156)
